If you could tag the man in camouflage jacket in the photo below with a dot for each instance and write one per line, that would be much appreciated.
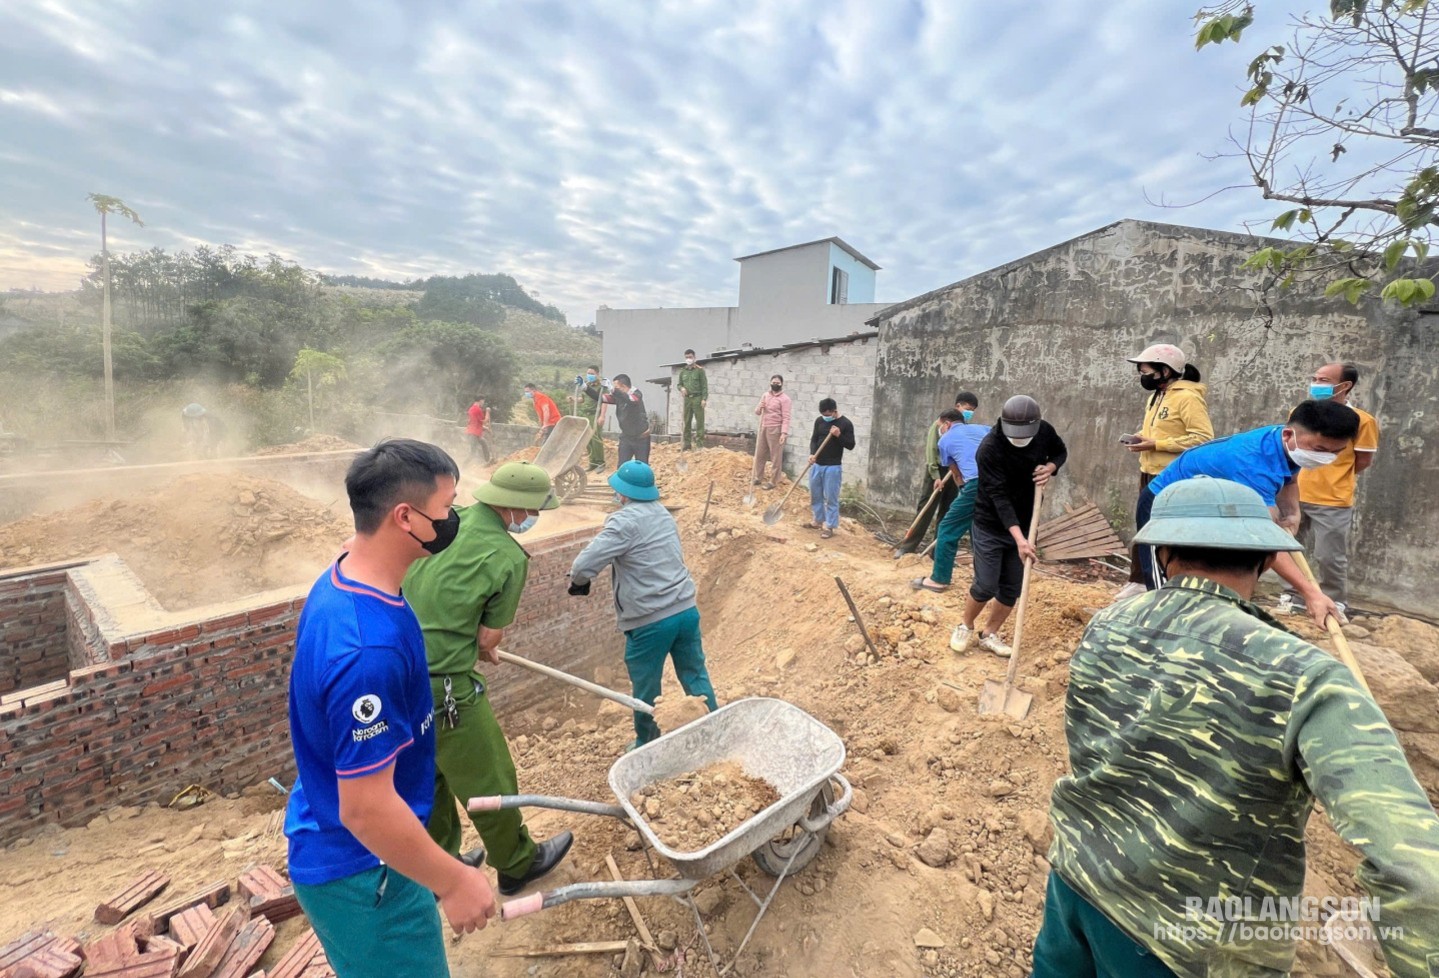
(1201, 733)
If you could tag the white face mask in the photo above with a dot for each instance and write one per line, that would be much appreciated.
(1306, 459)
(1020, 442)
(689, 361)
(526, 524)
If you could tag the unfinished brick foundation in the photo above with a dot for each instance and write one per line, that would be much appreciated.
(106, 699)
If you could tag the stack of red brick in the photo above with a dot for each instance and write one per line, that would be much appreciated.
(195, 937)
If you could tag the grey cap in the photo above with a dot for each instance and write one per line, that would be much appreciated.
(1205, 512)
(1020, 417)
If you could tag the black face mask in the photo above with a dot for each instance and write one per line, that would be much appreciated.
(776, 387)
(445, 531)
(1150, 382)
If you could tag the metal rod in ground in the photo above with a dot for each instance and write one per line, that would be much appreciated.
(708, 496)
(864, 632)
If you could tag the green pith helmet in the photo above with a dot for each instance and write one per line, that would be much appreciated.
(518, 485)
(1204, 512)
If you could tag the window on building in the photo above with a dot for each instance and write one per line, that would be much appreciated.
(838, 286)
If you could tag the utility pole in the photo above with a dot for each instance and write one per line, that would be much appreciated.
(105, 205)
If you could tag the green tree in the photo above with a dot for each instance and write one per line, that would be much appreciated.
(318, 370)
(105, 206)
(1340, 134)
(440, 367)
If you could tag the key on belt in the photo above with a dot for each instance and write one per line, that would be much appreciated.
(449, 708)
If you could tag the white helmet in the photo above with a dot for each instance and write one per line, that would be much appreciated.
(1166, 353)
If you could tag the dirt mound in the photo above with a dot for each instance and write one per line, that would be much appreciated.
(693, 810)
(199, 540)
(315, 443)
(523, 455)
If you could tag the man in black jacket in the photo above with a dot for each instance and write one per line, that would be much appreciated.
(1021, 453)
(824, 477)
(633, 419)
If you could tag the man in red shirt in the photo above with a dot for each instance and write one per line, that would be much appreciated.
(477, 429)
(545, 409)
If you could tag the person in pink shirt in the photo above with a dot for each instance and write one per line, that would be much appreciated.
(773, 411)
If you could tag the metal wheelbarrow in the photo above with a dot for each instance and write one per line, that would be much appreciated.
(770, 739)
(560, 456)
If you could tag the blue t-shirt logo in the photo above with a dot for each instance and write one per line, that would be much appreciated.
(366, 709)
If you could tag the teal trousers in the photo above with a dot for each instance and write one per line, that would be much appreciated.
(377, 924)
(646, 649)
(1077, 941)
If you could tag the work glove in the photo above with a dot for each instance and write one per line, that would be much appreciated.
(583, 590)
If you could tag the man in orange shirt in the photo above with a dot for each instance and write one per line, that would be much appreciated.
(478, 427)
(1326, 493)
(545, 409)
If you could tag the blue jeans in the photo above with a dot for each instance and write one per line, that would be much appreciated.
(824, 494)
(376, 923)
(647, 647)
(1077, 941)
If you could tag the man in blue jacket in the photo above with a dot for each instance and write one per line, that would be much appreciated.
(654, 593)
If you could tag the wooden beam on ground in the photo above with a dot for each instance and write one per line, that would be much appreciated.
(646, 938)
(556, 950)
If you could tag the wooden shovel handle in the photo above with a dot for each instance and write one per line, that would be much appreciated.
(800, 478)
(927, 504)
(1341, 644)
(1013, 669)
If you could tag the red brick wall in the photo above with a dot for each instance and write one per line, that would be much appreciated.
(33, 646)
(206, 703)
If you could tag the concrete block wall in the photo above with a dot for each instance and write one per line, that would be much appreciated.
(843, 370)
(33, 634)
(202, 699)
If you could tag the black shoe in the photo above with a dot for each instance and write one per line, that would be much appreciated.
(475, 858)
(551, 851)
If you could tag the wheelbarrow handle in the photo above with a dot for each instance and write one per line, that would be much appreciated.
(594, 891)
(495, 803)
(833, 811)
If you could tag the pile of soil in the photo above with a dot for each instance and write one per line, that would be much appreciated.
(948, 831)
(693, 810)
(315, 443)
(199, 540)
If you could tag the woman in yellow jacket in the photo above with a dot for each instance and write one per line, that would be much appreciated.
(1175, 419)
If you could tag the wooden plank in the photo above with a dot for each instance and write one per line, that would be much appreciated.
(556, 950)
(1069, 519)
(1098, 533)
(646, 938)
(211, 895)
(1099, 545)
(136, 894)
(211, 950)
(1079, 532)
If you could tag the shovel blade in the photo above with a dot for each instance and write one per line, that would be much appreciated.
(997, 697)
(748, 499)
(772, 515)
(682, 466)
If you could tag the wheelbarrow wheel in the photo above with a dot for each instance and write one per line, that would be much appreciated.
(570, 483)
(803, 846)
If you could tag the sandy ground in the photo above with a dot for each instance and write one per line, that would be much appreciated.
(948, 830)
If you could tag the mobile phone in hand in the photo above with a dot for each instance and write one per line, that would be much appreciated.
(1129, 439)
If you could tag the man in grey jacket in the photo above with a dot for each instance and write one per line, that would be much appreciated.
(654, 593)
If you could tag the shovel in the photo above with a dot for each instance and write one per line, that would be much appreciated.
(923, 510)
(682, 465)
(1341, 644)
(773, 514)
(639, 706)
(1003, 697)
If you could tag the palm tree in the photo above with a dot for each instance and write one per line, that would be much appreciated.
(105, 206)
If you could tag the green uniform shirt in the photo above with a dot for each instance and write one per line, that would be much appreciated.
(590, 406)
(931, 452)
(1200, 735)
(694, 381)
(477, 580)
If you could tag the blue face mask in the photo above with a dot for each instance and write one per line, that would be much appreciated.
(968, 414)
(826, 417)
(529, 395)
(1321, 392)
(590, 378)
(521, 527)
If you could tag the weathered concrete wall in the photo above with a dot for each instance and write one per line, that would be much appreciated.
(842, 370)
(1059, 324)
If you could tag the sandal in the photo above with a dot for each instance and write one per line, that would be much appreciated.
(826, 533)
(919, 585)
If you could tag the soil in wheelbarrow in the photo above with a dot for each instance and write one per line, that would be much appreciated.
(693, 810)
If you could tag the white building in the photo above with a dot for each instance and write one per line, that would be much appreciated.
(797, 294)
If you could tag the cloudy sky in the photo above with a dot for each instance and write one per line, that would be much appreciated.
(617, 153)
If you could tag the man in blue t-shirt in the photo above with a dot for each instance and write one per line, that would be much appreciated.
(362, 721)
(1267, 460)
(958, 442)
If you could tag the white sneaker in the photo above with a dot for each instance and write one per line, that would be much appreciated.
(993, 644)
(959, 638)
(1130, 590)
(1285, 605)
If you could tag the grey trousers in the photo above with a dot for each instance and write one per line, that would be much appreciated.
(1324, 530)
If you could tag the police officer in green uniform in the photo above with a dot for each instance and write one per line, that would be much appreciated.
(1201, 734)
(592, 389)
(694, 385)
(464, 597)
